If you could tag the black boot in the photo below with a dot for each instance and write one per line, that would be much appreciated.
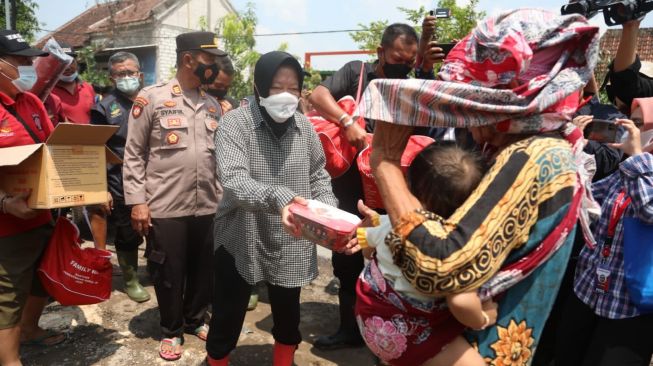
(348, 334)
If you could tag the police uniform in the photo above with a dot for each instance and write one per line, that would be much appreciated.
(169, 165)
(113, 110)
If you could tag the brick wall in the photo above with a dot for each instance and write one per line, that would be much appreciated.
(166, 50)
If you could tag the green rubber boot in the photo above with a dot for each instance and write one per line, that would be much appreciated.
(128, 262)
(253, 301)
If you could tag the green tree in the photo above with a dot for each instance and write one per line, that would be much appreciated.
(463, 19)
(91, 74)
(26, 22)
(236, 33)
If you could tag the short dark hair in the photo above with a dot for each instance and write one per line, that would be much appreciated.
(122, 56)
(225, 65)
(443, 175)
(396, 30)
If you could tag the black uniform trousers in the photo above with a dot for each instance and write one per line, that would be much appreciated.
(179, 252)
(230, 297)
(348, 189)
(586, 339)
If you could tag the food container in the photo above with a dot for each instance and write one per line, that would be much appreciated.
(325, 225)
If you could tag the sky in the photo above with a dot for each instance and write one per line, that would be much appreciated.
(277, 16)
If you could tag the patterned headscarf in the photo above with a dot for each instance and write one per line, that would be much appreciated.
(522, 71)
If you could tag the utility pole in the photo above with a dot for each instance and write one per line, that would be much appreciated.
(10, 14)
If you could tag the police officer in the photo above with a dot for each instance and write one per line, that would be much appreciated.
(169, 179)
(113, 110)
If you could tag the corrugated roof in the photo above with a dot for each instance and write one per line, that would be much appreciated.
(610, 43)
(102, 17)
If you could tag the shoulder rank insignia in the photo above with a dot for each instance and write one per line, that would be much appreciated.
(176, 89)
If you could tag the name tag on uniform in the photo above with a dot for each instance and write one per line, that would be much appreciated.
(603, 273)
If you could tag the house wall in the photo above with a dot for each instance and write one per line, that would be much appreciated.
(182, 18)
(187, 14)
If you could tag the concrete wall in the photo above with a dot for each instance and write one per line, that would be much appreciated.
(187, 14)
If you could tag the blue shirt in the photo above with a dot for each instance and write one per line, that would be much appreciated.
(635, 176)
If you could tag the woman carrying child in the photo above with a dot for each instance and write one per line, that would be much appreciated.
(515, 82)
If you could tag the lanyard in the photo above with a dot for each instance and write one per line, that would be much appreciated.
(620, 205)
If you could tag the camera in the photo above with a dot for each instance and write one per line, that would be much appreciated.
(614, 12)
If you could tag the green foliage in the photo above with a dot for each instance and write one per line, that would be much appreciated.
(236, 33)
(26, 22)
(462, 20)
(91, 74)
(370, 37)
(203, 23)
(313, 80)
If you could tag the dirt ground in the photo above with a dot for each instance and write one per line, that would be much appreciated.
(121, 332)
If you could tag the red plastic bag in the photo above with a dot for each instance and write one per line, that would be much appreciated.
(49, 68)
(371, 194)
(339, 153)
(72, 275)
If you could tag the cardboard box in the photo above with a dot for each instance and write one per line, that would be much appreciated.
(69, 169)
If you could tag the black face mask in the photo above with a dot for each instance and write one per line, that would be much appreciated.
(396, 71)
(218, 93)
(206, 73)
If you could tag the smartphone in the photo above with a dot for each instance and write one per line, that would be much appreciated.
(601, 130)
(446, 47)
(441, 13)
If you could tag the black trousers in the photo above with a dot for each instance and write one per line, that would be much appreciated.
(348, 189)
(126, 239)
(179, 252)
(586, 339)
(231, 295)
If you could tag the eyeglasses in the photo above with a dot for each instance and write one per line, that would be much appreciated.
(125, 74)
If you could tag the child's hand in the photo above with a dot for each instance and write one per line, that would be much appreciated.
(632, 146)
(491, 309)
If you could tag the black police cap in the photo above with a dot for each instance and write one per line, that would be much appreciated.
(199, 41)
(12, 43)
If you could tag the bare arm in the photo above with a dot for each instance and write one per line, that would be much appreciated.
(627, 51)
(468, 309)
(387, 147)
(324, 103)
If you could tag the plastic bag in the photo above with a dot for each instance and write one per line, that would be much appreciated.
(49, 68)
(72, 275)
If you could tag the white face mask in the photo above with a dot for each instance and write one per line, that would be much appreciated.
(280, 106)
(69, 78)
(128, 85)
(26, 77)
(646, 138)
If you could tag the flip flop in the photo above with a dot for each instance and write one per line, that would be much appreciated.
(41, 341)
(199, 330)
(172, 343)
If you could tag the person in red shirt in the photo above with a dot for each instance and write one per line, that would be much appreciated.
(54, 108)
(77, 97)
(24, 232)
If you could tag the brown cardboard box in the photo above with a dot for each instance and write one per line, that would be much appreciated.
(69, 169)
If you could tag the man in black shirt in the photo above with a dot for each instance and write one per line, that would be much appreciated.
(400, 52)
(113, 110)
(626, 80)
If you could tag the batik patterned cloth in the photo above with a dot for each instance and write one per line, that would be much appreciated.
(521, 71)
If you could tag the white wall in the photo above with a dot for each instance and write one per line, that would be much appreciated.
(188, 13)
(184, 17)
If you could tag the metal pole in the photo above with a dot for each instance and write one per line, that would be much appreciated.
(8, 14)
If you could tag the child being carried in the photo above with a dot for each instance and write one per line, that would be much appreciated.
(399, 324)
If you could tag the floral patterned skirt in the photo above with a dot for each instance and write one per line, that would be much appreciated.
(399, 331)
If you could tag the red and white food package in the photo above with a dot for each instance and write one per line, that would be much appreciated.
(325, 225)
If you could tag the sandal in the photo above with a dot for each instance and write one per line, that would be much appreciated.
(42, 341)
(172, 343)
(201, 332)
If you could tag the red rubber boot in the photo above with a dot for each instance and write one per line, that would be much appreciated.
(213, 362)
(284, 354)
